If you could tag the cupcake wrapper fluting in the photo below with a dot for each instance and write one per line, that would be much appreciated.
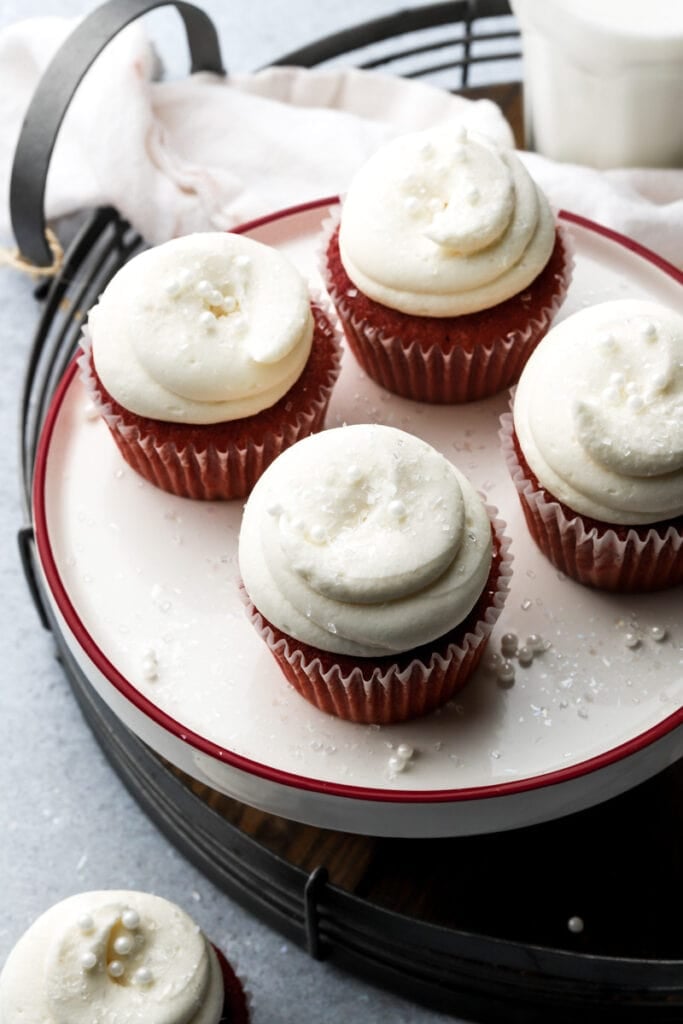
(623, 559)
(393, 691)
(236, 1008)
(221, 461)
(453, 370)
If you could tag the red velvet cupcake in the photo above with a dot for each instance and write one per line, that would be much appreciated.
(206, 358)
(447, 267)
(373, 571)
(119, 955)
(595, 446)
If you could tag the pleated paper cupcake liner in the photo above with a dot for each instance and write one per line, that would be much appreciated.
(607, 557)
(410, 365)
(224, 460)
(383, 691)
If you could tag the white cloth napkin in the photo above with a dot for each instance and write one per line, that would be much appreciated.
(207, 152)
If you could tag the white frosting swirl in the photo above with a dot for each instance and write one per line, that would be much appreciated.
(115, 958)
(202, 329)
(364, 540)
(598, 412)
(442, 223)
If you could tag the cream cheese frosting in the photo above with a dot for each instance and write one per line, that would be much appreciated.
(364, 540)
(598, 412)
(112, 957)
(202, 329)
(444, 222)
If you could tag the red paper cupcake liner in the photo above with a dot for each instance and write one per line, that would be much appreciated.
(627, 559)
(394, 689)
(236, 999)
(447, 360)
(223, 460)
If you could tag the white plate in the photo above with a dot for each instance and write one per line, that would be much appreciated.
(131, 569)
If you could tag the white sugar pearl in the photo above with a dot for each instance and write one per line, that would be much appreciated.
(575, 925)
(317, 533)
(634, 403)
(88, 961)
(229, 303)
(115, 969)
(123, 945)
(86, 923)
(206, 318)
(354, 473)
(508, 643)
(660, 380)
(611, 395)
(535, 641)
(616, 379)
(658, 633)
(411, 204)
(242, 261)
(396, 764)
(525, 655)
(397, 508)
(404, 751)
(204, 287)
(506, 673)
(631, 640)
(172, 287)
(130, 918)
(607, 341)
(649, 332)
(143, 976)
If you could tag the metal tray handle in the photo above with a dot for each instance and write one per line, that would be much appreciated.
(54, 93)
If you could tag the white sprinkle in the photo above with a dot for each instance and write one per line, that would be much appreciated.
(184, 276)
(130, 918)
(411, 203)
(460, 133)
(204, 287)
(274, 509)
(607, 341)
(631, 388)
(242, 261)
(354, 473)
(616, 380)
(611, 395)
(632, 640)
(318, 533)
(86, 923)
(634, 403)
(206, 318)
(575, 925)
(115, 968)
(123, 945)
(88, 961)
(660, 380)
(229, 303)
(172, 287)
(649, 332)
(658, 633)
(473, 195)
(396, 764)
(405, 751)
(495, 660)
(534, 641)
(397, 508)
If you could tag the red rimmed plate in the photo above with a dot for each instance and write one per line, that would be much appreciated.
(138, 577)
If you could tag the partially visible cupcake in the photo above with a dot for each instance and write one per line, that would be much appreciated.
(447, 267)
(595, 446)
(374, 572)
(118, 956)
(206, 357)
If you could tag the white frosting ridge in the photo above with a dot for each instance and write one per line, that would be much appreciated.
(364, 540)
(598, 412)
(112, 957)
(202, 329)
(443, 223)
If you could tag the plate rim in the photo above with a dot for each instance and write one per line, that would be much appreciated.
(224, 756)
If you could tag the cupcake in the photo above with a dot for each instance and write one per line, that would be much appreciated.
(206, 358)
(373, 571)
(595, 446)
(117, 957)
(447, 266)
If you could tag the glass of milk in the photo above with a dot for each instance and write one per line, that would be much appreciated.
(603, 80)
